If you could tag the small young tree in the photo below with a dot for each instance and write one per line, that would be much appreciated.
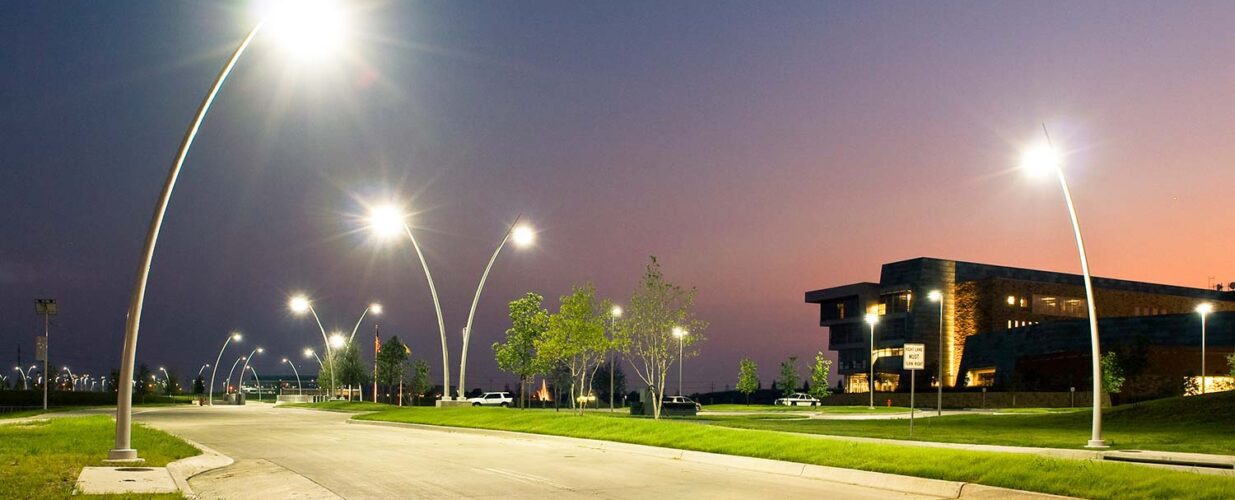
(199, 385)
(390, 358)
(1112, 373)
(576, 338)
(517, 355)
(645, 336)
(419, 382)
(351, 369)
(819, 376)
(788, 379)
(748, 378)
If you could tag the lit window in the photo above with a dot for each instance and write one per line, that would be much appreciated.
(1011, 300)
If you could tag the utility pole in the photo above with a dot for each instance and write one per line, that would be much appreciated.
(45, 308)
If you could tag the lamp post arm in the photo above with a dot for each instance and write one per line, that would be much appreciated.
(215, 370)
(228, 380)
(124, 394)
(437, 306)
(467, 330)
(299, 387)
(357, 327)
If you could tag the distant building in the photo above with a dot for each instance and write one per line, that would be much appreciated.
(1021, 329)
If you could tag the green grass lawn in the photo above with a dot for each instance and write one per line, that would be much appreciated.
(1201, 424)
(816, 409)
(43, 459)
(1027, 472)
(341, 406)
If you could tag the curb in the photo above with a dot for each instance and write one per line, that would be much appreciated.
(184, 469)
(885, 481)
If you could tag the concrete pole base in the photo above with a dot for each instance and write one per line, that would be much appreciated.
(121, 456)
(1097, 443)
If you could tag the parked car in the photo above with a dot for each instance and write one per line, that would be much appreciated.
(492, 399)
(682, 400)
(797, 399)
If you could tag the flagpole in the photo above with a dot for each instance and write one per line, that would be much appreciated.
(377, 348)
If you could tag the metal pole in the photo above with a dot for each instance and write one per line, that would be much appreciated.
(299, 387)
(227, 382)
(376, 350)
(680, 363)
(255, 377)
(213, 371)
(913, 380)
(437, 306)
(939, 396)
(1095, 439)
(124, 452)
(329, 350)
(46, 355)
(872, 363)
(1202, 353)
(467, 330)
(357, 327)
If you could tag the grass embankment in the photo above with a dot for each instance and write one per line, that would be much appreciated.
(43, 459)
(815, 409)
(1026, 472)
(1199, 424)
(352, 406)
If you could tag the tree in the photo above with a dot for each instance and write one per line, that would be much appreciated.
(419, 383)
(172, 385)
(145, 384)
(1230, 364)
(576, 338)
(517, 355)
(788, 379)
(390, 359)
(351, 369)
(199, 385)
(819, 376)
(1112, 373)
(645, 332)
(748, 378)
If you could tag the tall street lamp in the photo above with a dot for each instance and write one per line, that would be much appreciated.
(72, 379)
(312, 23)
(1203, 310)
(937, 296)
(256, 378)
(227, 383)
(1045, 160)
(203, 368)
(299, 387)
(614, 314)
(210, 397)
(680, 333)
(299, 304)
(872, 319)
(522, 236)
(374, 308)
(167, 380)
(388, 221)
(24, 379)
(247, 360)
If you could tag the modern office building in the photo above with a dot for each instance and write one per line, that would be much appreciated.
(1018, 328)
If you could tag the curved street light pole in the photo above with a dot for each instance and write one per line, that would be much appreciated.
(230, 337)
(329, 350)
(167, 380)
(299, 387)
(24, 379)
(228, 381)
(467, 330)
(255, 377)
(437, 307)
(376, 308)
(124, 452)
(247, 360)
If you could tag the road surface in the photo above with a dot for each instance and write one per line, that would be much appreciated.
(297, 453)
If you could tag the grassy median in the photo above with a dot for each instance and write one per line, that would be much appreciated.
(815, 409)
(43, 459)
(1199, 424)
(1079, 478)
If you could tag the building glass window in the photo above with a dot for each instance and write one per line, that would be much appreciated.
(1050, 305)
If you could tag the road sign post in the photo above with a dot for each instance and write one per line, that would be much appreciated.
(914, 359)
(45, 308)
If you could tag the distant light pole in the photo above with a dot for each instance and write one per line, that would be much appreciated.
(72, 379)
(249, 359)
(199, 370)
(872, 319)
(256, 378)
(937, 296)
(210, 397)
(1046, 160)
(227, 383)
(681, 334)
(24, 379)
(1203, 310)
(299, 304)
(299, 387)
(167, 381)
(375, 308)
(614, 314)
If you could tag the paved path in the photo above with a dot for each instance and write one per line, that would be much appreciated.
(294, 453)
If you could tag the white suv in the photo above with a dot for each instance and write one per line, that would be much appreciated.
(492, 399)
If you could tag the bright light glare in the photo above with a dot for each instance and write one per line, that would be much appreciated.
(935, 295)
(1040, 160)
(284, 360)
(872, 318)
(308, 352)
(308, 28)
(299, 304)
(375, 308)
(386, 221)
(1205, 308)
(236, 336)
(679, 332)
(616, 311)
(260, 350)
(523, 236)
(337, 340)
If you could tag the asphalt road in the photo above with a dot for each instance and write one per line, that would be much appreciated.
(296, 453)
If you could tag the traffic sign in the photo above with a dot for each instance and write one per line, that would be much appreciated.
(915, 357)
